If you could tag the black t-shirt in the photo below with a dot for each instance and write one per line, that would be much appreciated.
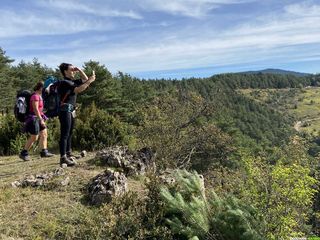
(66, 88)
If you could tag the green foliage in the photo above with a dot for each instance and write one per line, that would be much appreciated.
(249, 120)
(280, 187)
(192, 215)
(96, 129)
(118, 95)
(179, 131)
(11, 138)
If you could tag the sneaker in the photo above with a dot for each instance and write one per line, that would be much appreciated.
(45, 153)
(24, 155)
(67, 161)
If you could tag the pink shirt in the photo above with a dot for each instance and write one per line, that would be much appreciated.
(36, 98)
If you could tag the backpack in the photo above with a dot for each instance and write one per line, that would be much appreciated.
(50, 96)
(22, 105)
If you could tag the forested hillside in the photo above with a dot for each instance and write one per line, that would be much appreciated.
(256, 167)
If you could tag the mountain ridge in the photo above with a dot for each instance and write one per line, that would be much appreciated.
(277, 71)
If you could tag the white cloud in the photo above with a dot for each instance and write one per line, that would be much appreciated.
(28, 23)
(278, 37)
(190, 8)
(303, 9)
(96, 9)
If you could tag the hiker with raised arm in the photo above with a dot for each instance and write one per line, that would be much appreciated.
(68, 90)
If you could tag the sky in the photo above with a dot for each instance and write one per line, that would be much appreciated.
(165, 38)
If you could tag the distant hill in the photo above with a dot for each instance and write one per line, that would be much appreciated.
(278, 71)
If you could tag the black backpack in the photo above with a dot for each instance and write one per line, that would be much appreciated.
(51, 98)
(22, 105)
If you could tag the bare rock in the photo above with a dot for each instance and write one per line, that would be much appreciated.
(107, 185)
(140, 162)
(38, 179)
(65, 182)
(112, 156)
(16, 184)
(83, 153)
(64, 165)
(132, 163)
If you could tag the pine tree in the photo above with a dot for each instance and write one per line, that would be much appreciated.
(191, 215)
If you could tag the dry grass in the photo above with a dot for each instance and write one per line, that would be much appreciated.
(54, 212)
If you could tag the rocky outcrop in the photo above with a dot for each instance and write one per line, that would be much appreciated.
(107, 185)
(41, 179)
(132, 163)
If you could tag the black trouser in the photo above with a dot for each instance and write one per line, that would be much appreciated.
(66, 127)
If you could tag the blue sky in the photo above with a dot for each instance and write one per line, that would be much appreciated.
(165, 38)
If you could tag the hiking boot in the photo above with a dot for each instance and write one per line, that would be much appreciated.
(45, 153)
(67, 161)
(24, 155)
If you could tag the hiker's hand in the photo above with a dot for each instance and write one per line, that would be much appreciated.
(42, 123)
(75, 69)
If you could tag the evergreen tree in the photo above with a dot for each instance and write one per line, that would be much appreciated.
(191, 215)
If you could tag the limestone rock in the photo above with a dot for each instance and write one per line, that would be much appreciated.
(132, 163)
(38, 180)
(83, 153)
(65, 182)
(107, 185)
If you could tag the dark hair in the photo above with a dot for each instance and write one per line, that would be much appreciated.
(63, 67)
(38, 86)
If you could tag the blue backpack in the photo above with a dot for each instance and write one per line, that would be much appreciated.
(51, 98)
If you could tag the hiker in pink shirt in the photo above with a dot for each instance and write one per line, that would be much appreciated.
(35, 125)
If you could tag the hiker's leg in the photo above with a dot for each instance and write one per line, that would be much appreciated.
(70, 135)
(65, 125)
(30, 141)
(43, 142)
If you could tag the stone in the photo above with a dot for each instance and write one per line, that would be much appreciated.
(107, 185)
(83, 153)
(140, 162)
(132, 163)
(38, 179)
(58, 171)
(112, 156)
(16, 184)
(64, 165)
(65, 182)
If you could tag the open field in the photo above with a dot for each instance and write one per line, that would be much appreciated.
(302, 104)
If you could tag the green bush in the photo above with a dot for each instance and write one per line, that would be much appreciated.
(96, 129)
(181, 134)
(11, 137)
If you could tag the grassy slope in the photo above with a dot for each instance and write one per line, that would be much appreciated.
(302, 104)
(30, 213)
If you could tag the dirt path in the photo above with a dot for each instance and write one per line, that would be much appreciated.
(297, 125)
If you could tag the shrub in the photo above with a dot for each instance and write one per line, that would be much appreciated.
(11, 137)
(96, 129)
(181, 134)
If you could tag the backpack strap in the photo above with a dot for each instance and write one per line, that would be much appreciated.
(65, 97)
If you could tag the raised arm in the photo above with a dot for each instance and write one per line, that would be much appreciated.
(86, 84)
(83, 76)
